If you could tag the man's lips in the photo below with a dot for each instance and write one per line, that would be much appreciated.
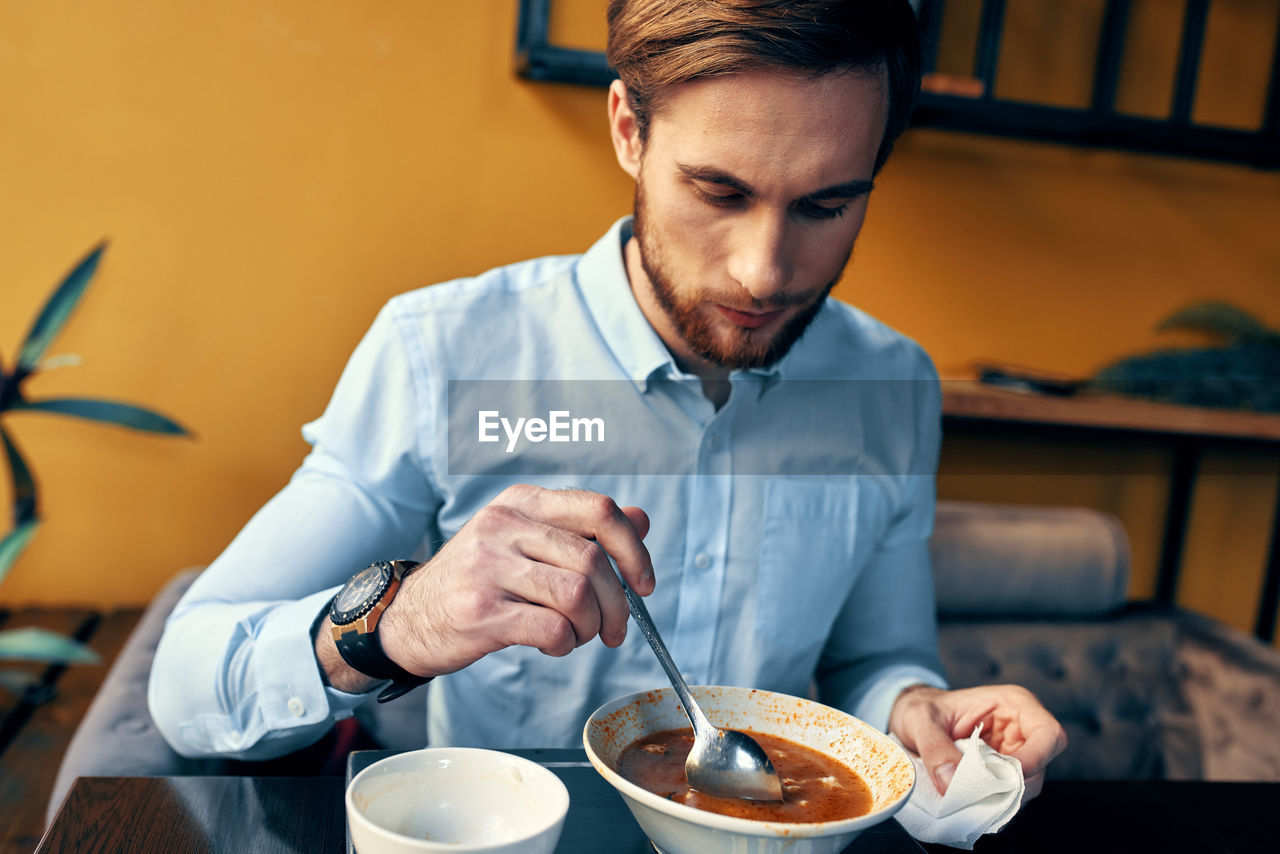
(748, 320)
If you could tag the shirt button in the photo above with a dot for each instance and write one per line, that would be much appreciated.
(702, 561)
(296, 707)
(713, 442)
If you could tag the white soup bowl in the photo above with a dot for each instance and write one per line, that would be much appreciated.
(677, 828)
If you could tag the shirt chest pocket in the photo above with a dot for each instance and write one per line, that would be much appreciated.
(808, 559)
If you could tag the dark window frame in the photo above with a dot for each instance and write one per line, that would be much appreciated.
(1097, 126)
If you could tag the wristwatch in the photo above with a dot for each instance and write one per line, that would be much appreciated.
(355, 612)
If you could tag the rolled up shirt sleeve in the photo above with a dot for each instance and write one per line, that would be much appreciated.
(235, 674)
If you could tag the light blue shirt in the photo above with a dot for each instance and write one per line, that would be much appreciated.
(789, 528)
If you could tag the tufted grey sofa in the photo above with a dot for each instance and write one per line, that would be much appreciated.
(1037, 597)
(1033, 596)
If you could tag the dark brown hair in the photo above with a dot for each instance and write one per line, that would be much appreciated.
(658, 43)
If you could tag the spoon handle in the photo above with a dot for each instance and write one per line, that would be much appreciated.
(640, 614)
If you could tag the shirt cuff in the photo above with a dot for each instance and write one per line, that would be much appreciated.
(291, 690)
(877, 701)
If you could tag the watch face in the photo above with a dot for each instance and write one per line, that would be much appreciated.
(364, 588)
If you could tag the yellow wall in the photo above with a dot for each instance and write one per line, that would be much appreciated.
(270, 172)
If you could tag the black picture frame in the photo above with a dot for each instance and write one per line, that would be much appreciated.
(538, 59)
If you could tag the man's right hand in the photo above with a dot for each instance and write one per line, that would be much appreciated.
(530, 568)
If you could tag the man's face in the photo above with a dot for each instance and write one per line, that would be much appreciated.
(750, 192)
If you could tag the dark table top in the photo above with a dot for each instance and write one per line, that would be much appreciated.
(598, 813)
(248, 815)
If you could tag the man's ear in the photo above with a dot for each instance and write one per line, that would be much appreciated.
(624, 129)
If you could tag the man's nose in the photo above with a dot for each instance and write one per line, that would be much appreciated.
(760, 262)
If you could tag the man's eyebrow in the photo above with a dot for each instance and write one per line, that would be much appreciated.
(847, 190)
(716, 176)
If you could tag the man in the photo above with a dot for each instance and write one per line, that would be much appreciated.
(786, 443)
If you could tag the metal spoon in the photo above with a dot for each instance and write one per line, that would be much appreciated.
(723, 762)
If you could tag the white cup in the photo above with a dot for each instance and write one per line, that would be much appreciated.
(456, 799)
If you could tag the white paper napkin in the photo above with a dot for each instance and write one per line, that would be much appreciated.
(984, 794)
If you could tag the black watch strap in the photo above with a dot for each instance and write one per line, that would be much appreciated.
(400, 687)
(364, 653)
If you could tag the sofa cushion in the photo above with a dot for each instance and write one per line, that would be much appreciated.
(994, 559)
(1232, 684)
(1114, 685)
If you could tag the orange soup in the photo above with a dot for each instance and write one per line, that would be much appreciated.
(815, 787)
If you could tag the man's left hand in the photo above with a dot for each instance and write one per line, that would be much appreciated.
(928, 721)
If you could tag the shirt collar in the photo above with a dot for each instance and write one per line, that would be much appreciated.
(602, 279)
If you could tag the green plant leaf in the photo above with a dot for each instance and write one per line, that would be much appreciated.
(13, 544)
(1220, 319)
(16, 681)
(107, 411)
(32, 644)
(63, 360)
(24, 485)
(10, 390)
(56, 311)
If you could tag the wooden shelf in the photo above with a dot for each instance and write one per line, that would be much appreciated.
(965, 399)
(970, 407)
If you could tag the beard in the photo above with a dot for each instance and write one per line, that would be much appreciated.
(722, 343)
